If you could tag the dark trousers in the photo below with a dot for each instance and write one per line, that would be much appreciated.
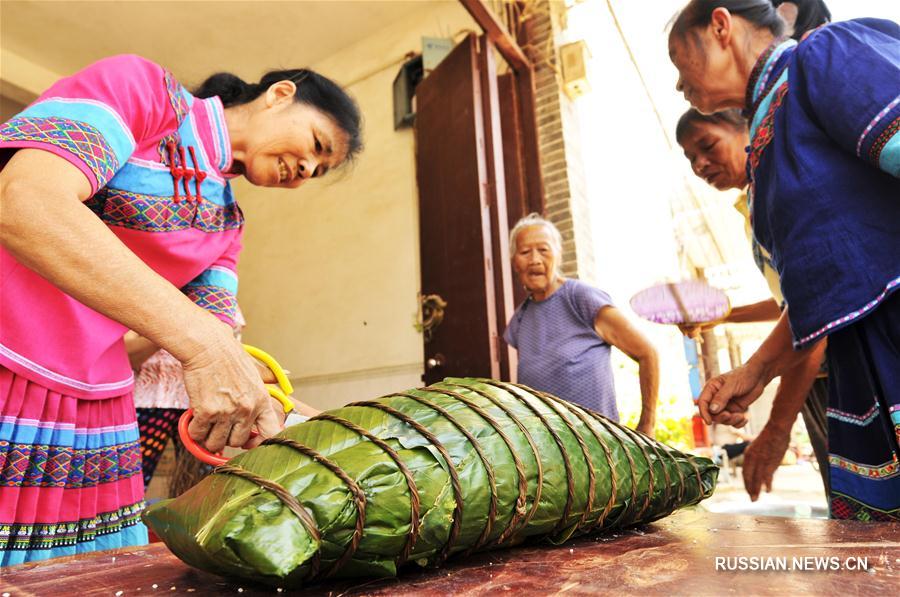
(815, 417)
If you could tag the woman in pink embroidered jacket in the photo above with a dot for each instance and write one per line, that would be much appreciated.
(118, 214)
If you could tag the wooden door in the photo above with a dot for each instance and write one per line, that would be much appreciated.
(517, 204)
(460, 227)
(498, 197)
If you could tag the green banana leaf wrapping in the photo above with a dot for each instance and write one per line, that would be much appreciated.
(419, 476)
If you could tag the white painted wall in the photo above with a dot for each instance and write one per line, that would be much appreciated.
(330, 273)
(21, 79)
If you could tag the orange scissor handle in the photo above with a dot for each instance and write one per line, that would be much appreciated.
(198, 451)
(280, 392)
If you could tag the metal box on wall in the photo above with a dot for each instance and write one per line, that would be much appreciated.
(434, 49)
(574, 58)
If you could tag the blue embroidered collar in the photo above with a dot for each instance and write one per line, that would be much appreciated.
(761, 76)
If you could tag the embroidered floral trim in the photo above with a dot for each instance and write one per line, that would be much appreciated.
(181, 107)
(873, 123)
(78, 138)
(757, 71)
(176, 97)
(846, 508)
(215, 299)
(62, 534)
(31, 465)
(883, 471)
(861, 420)
(150, 213)
(852, 315)
(766, 130)
(882, 140)
(761, 73)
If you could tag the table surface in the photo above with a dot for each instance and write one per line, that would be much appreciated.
(676, 555)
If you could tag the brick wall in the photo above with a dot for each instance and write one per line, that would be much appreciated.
(560, 141)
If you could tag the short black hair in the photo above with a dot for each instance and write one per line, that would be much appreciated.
(697, 13)
(810, 14)
(692, 117)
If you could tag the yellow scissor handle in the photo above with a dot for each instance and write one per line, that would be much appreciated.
(284, 387)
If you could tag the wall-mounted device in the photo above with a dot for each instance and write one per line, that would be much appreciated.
(574, 59)
(434, 49)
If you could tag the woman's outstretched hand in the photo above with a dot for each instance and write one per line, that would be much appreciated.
(228, 396)
(726, 398)
(762, 458)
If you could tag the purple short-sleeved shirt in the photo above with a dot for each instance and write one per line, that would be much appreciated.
(560, 352)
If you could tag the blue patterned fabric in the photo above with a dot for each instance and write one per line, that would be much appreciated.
(76, 138)
(559, 350)
(70, 473)
(864, 416)
(825, 203)
(101, 117)
(216, 291)
(151, 213)
(829, 217)
(111, 530)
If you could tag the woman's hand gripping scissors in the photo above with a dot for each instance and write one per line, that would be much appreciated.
(280, 391)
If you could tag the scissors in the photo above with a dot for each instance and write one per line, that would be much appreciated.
(280, 392)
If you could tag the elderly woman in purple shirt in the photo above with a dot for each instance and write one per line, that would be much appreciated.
(565, 329)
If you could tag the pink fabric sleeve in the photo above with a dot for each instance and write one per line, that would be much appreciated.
(216, 288)
(96, 117)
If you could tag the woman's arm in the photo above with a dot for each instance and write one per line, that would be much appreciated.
(726, 397)
(764, 454)
(139, 349)
(618, 331)
(47, 228)
(767, 310)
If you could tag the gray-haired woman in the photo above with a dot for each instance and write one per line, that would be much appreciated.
(565, 329)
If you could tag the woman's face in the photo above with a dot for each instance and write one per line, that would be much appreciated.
(286, 143)
(716, 153)
(702, 71)
(707, 72)
(535, 259)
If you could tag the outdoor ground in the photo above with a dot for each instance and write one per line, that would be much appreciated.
(797, 493)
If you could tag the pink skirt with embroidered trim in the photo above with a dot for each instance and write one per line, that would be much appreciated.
(70, 473)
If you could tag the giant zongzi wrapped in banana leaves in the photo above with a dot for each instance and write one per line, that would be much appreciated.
(420, 476)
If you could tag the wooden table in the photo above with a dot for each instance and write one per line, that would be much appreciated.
(676, 555)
